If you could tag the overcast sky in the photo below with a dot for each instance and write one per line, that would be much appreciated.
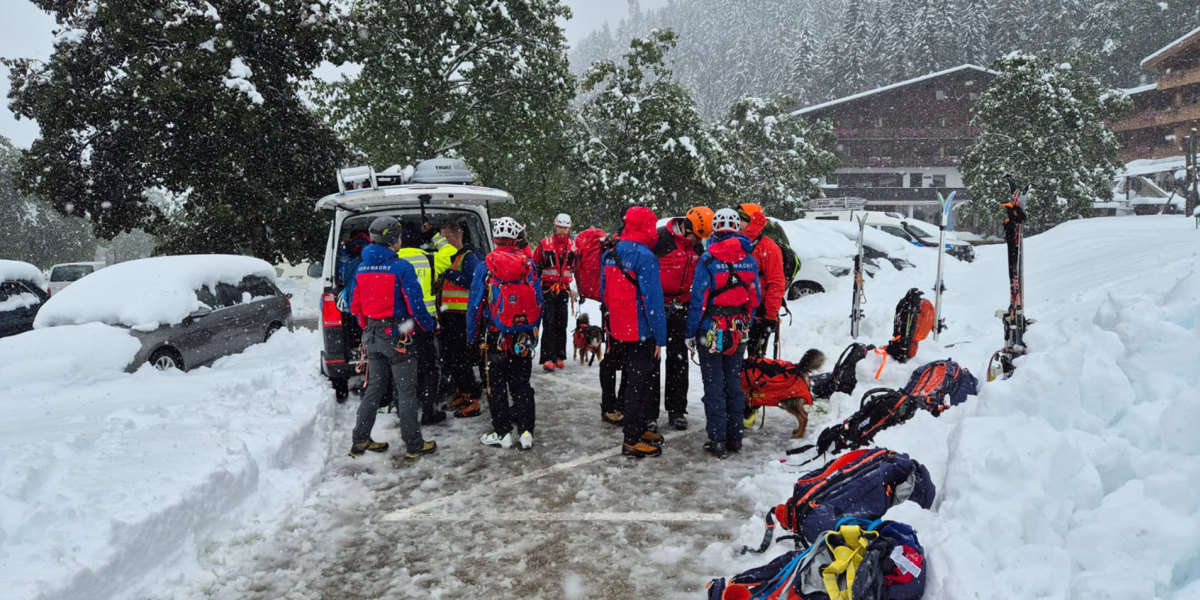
(25, 31)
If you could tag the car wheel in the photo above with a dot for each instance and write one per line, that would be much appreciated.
(165, 359)
(271, 329)
(800, 289)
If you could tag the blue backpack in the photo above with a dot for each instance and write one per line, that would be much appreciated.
(863, 484)
(939, 385)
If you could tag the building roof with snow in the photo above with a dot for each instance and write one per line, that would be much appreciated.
(893, 86)
(1164, 54)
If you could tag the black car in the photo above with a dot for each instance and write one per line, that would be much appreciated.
(21, 296)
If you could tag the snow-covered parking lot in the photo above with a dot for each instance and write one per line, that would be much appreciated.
(1074, 479)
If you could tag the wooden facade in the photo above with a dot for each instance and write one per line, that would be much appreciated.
(1167, 111)
(901, 144)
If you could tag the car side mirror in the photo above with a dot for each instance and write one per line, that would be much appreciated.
(314, 270)
(201, 312)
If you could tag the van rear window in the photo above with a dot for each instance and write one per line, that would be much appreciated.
(70, 272)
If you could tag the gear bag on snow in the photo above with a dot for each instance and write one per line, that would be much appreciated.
(939, 385)
(914, 320)
(843, 378)
(862, 484)
(929, 387)
(858, 559)
(512, 292)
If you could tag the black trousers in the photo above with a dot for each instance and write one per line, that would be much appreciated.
(554, 325)
(612, 399)
(675, 399)
(428, 376)
(637, 369)
(458, 358)
(508, 375)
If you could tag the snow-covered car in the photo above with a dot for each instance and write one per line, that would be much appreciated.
(64, 274)
(826, 257)
(436, 190)
(877, 245)
(820, 274)
(913, 231)
(187, 311)
(21, 296)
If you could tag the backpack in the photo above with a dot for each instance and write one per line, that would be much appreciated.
(512, 292)
(791, 262)
(913, 322)
(931, 385)
(843, 378)
(859, 559)
(863, 484)
(590, 244)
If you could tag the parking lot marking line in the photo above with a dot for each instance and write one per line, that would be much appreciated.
(483, 488)
(655, 517)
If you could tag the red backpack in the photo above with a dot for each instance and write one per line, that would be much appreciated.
(512, 292)
(590, 244)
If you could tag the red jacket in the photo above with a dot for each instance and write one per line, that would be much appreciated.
(677, 258)
(556, 257)
(770, 266)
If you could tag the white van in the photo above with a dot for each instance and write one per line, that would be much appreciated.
(435, 190)
(63, 274)
(914, 231)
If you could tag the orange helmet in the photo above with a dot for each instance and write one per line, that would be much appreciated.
(701, 218)
(747, 210)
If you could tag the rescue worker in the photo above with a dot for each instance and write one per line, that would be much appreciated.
(454, 290)
(428, 376)
(725, 294)
(774, 285)
(632, 292)
(504, 309)
(678, 249)
(556, 257)
(387, 302)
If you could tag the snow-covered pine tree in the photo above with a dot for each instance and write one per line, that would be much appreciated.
(487, 81)
(33, 231)
(641, 138)
(775, 158)
(201, 99)
(1043, 122)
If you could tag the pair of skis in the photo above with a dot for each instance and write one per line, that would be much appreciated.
(859, 297)
(1001, 364)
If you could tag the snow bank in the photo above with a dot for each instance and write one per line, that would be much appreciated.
(109, 476)
(47, 358)
(15, 269)
(146, 293)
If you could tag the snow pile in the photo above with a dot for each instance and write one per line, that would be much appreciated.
(45, 359)
(108, 475)
(306, 295)
(146, 293)
(15, 269)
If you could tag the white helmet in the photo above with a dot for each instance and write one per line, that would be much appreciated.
(727, 220)
(562, 220)
(506, 227)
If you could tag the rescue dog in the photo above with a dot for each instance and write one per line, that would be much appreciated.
(587, 339)
(811, 361)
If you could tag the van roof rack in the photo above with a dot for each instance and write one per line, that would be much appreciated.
(847, 203)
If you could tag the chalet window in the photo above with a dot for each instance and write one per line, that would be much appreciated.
(941, 150)
(890, 180)
(938, 181)
(974, 96)
(940, 95)
(914, 180)
(942, 121)
(879, 122)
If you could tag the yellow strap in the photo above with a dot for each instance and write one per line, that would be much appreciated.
(846, 559)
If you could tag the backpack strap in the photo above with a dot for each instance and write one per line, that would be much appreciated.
(733, 282)
(621, 268)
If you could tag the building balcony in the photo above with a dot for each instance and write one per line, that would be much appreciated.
(1159, 118)
(1150, 152)
(909, 133)
(1179, 79)
(860, 162)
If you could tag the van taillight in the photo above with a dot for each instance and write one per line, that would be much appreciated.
(330, 315)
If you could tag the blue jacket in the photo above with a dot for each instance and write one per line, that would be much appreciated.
(712, 273)
(465, 276)
(387, 287)
(635, 313)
